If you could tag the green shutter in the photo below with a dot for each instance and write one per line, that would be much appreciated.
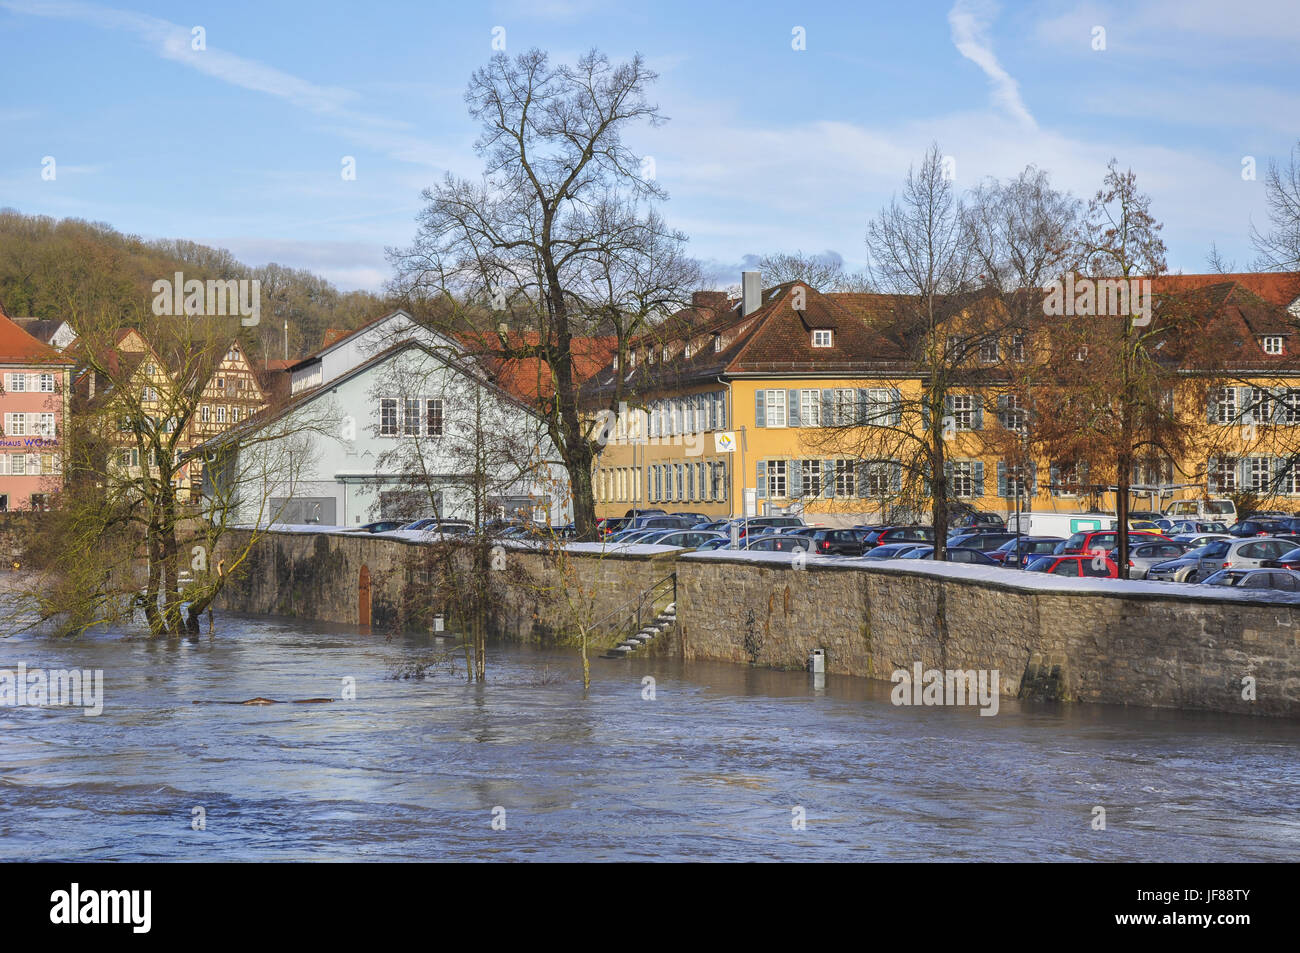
(792, 408)
(794, 475)
(977, 477)
(760, 483)
(760, 408)
(1002, 478)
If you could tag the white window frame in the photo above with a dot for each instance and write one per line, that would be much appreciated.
(844, 406)
(810, 408)
(778, 482)
(387, 428)
(1225, 405)
(961, 483)
(775, 409)
(823, 337)
(963, 411)
(1273, 344)
(1221, 475)
(845, 482)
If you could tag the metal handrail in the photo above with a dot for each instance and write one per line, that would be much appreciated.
(624, 610)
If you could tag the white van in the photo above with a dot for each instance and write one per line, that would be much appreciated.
(1063, 525)
(1223, 511)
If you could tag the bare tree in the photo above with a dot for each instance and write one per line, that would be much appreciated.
(825, 271)
(919, 250)
(1279, 248)
(560, 238)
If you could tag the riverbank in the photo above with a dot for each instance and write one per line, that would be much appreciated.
(1132, 643)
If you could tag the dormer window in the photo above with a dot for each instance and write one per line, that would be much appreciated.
(821, 337)
(1273, 344)
(717, 343)
(631, 358)
(664, 356)
(687, 351)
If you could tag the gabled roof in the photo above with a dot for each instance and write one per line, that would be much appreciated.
(335, 338)
(529, 378)
(302, 398)
(19, 347)
(1275, 287)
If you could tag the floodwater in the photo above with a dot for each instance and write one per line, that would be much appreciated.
(724, 762)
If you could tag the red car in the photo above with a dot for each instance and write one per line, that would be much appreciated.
(1104, 540)
(1076, 566)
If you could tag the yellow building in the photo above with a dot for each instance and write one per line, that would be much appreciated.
(793, 374)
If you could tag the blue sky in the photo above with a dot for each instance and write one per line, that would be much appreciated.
(768, 148)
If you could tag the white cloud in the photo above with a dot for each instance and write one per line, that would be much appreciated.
(969, 21)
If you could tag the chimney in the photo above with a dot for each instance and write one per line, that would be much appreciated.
(751, 292)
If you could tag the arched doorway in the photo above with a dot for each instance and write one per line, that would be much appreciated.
(363, 597)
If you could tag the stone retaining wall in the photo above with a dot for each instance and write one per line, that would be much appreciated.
(1139, 644)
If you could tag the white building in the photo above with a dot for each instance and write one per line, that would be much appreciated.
(390, 422)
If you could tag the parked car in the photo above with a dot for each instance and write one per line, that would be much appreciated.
(838, 542)
(898, 534)
(380, 526)
(643, 511)
(1063, 525)
(1145, 555)
(967, 517)
(779, 522)
(1198, 539)
(957, 554)
(1248, 553)
(659, 522)
(695, 519)
(891, 550)
(1016, 552)
(1257, 527)
(984, 542)
(1289, 560)
(1282, 580)
(686, 538)
(446, 527)
(610, 525)
(780, 543)
(1098, 565)
(1184, 527)
(722, 542)
(1181, 569)
(1220, 509)
(1105, 541)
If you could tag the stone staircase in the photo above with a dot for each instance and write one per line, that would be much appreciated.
(662, 622)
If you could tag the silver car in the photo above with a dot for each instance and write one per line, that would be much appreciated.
(1142, 556)
(1248, 553)
(1279, 579)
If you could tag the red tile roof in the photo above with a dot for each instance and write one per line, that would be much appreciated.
(19, 347)
(1276, 287)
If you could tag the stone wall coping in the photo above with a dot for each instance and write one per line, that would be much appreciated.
(1020, 580)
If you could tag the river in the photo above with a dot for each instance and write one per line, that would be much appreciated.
(725, 762)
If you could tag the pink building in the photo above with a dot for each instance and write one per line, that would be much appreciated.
(35, 383)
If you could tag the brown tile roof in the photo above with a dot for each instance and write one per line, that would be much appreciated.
(1276, 287)
(529, 378)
